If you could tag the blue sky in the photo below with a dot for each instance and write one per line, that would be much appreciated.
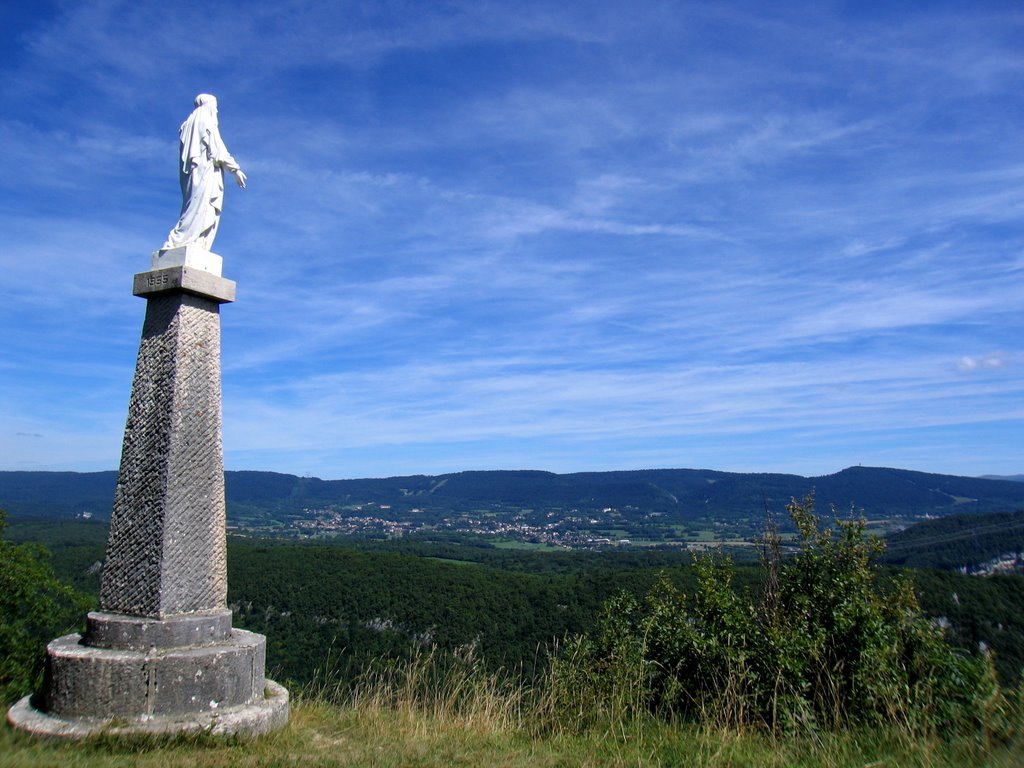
(750, 236)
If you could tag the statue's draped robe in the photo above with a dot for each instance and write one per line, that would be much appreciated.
(203, 160)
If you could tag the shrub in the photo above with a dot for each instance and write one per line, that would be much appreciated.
(829, 641)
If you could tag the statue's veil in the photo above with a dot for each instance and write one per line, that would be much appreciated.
(195, 131)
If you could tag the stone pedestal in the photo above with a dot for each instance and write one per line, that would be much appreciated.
(161, 656)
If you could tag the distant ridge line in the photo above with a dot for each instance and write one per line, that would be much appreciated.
(878, 491)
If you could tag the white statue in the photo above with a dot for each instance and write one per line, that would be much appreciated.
(203, 160)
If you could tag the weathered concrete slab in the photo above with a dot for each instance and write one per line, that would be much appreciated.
(82, 680)
(192, 280)
(137, 633)
(191, 255)
(262, 716)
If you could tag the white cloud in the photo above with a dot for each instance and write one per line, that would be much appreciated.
(968, 363)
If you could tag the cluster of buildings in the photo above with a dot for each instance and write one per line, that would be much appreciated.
(1010, 562)
(570, 531)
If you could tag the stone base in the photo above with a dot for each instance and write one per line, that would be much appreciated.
(187, 256)
(137, 675)
(83, 681)
(255, 719)
(138, 633)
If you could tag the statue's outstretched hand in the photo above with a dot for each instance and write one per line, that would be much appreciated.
(239, 177)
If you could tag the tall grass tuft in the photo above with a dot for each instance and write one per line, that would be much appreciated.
(451, 688)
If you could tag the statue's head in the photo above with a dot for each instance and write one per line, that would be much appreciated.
(206, 100)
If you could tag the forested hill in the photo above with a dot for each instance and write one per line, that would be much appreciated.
(684, 492)
(969, 542)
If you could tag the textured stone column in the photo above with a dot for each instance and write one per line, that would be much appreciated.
(166, 552)
(161, 656)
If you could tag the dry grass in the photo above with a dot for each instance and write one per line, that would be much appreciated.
(323, 734)
(446, 710)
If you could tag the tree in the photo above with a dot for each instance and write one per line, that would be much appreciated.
(35, 607)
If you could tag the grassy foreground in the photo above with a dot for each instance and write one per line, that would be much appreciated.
(710, 679)
(351, 735)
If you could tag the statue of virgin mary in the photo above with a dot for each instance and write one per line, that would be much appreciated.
(201, 171)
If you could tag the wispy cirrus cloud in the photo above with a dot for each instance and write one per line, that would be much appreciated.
(486, 235)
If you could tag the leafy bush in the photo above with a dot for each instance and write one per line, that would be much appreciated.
(827, 642)
(35, 607)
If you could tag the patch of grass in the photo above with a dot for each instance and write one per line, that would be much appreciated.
(704, 534)
(527, 545)
(324, 734)
(452, 560)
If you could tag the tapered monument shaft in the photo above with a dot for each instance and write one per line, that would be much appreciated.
(166, 551)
